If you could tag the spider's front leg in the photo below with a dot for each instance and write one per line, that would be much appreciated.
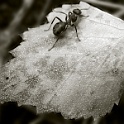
(66, 16)
(53, 21)
(84, 16)
(73, 25)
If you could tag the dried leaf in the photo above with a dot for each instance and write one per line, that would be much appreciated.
(75, 78)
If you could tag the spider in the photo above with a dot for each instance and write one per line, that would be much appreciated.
(61, 26)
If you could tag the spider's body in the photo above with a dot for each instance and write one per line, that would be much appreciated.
(61, 26)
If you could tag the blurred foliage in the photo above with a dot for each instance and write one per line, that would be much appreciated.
(10, 113)
(7, 10)
(116, 1)
(9, 7)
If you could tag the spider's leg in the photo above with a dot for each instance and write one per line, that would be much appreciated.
(84, 16)
(69, 18)
(54, 44)
(66, 18)
(57, 39)
(85, 8)
(53, 21)
(62, 13)
(76, 30)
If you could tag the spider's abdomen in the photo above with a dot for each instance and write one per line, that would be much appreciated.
(59, 28)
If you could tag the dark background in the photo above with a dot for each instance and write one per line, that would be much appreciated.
(12, 24)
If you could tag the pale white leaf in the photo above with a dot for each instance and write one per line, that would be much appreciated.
(76, 78)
